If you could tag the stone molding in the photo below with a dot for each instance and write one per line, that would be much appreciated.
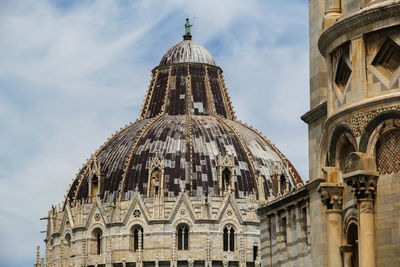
(315, 113)
(355, 22)
(358, 122)
(387, 100)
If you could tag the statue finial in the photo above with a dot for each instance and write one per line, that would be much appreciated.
(188, 35)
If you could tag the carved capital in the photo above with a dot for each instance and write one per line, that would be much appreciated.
(362, 176)
(364, 186)
(331, 195)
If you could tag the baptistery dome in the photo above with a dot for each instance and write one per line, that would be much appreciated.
(180, 186)
(187, 121)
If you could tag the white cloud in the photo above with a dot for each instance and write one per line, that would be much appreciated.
(72, 75)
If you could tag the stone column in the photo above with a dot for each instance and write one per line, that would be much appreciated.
(333, 6)
(347, 253)
(37, 264)
(332, 196)
(333, 10)
(363, 178)
(364, 188)
(139, 262)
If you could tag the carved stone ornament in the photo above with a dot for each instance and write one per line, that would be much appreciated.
(136, 213)
(225, 261)
(358, 121)
(331, 195)
(182, 212)
(364, 186)
(96, 217)
(156, 263)
(229, 213)
(190, 261)
(366, 207)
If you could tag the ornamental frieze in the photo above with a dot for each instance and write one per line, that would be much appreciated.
(358, 122)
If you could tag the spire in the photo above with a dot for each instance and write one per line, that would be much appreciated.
(188, 35)
(37, 256)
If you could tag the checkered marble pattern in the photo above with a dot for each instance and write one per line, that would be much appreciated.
(388, 152)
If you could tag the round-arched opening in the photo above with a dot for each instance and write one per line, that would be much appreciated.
(352, 240)
(182, 233)
(155, 182)
(97, 235)
(229, 238)
(68, 239)
(137, 237)
(345, 146)
(226, 179)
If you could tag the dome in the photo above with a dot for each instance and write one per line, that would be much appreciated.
(188, 134)
(126, 159)
(185, 52)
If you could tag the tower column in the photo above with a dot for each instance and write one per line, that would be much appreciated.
(333, 10)
(332, 196)
(366, 235)
(363, 178)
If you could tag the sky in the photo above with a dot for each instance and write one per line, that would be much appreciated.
(74, 72)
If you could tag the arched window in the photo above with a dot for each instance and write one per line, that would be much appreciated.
(226, 179)
(345, 147)
(155, 182)
(97, 235)
(283, 184)
(255, 252)
(183, 237)
(68, 245)
(283, 229)
(94, 187)
(68, 239)
(229, 238)
(352, 240)
(137, 232)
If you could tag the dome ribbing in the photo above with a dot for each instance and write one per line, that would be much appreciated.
(188, 126)
(187, 51)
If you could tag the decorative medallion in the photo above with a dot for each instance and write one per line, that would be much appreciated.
(96, 217)
(182, 212)
(229, 213)
(137, 213)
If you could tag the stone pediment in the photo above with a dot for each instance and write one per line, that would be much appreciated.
(183, 208)
(136, 204)
(97, 214)
(229, 210)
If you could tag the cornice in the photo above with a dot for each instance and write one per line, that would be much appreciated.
(315, 113)
(298, 195)
(357, 21)
(385, 99)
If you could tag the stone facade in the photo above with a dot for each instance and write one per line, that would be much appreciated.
(103, 234)
(354, 136)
